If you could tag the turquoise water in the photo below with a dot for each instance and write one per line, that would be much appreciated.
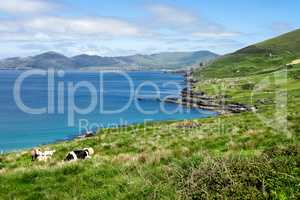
(19, 129)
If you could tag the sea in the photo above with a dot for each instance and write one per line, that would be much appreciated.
(40, 107)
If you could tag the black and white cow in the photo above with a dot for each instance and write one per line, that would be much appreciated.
(79, 154)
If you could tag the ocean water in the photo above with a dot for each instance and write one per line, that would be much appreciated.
(112, 91)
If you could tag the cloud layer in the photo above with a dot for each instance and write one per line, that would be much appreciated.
(26, 6)
(172, 15)
(36, 24)
(183, 21)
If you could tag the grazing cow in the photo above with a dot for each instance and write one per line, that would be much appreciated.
(37, 154)
(79, 154)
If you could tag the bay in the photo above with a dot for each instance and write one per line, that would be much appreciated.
(113, 91)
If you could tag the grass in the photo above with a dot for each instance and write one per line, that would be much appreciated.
(229, 156)
(267, 55)
(254, 155)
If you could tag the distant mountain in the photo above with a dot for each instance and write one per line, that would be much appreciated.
(256, 58)
(173, 60)
(50, 59)
(170, 60)
(42, 61)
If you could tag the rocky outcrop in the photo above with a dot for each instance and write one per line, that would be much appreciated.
(88, 134)
(190, 98)
(193, 99)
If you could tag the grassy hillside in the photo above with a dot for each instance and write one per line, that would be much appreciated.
(267, 55)
(254, 155)
(230, 156)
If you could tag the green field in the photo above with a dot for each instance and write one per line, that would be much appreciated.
(253, 155)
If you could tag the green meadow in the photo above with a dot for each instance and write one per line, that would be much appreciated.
(253, 155)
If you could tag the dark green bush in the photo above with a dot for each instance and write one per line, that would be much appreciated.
(248, 86)
(259, 177)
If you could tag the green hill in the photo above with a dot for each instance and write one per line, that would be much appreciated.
(257, 58)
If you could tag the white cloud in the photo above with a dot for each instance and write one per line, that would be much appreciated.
(58, 28)
(84, 26)
(173, 15)
(214, 34)
(9, 26)
(175, 20)
(26, 6)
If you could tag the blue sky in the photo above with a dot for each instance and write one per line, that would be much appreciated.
(124, 27)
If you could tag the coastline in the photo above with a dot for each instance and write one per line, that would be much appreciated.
(199, 100)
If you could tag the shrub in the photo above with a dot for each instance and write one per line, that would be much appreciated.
(258, 177)
(248, 86)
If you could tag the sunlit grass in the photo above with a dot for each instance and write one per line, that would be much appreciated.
(229, 156)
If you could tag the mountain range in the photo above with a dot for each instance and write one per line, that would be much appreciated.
(167, 60)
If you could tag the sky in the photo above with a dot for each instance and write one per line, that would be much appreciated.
(126, 27)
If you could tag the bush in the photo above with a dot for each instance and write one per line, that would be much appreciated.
(257, 177)
(248, 86)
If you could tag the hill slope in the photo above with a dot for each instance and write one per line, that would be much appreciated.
(256, 58)
(171, 60)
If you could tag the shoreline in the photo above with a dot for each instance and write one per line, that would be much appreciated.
(199, 100)
(91, 134)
